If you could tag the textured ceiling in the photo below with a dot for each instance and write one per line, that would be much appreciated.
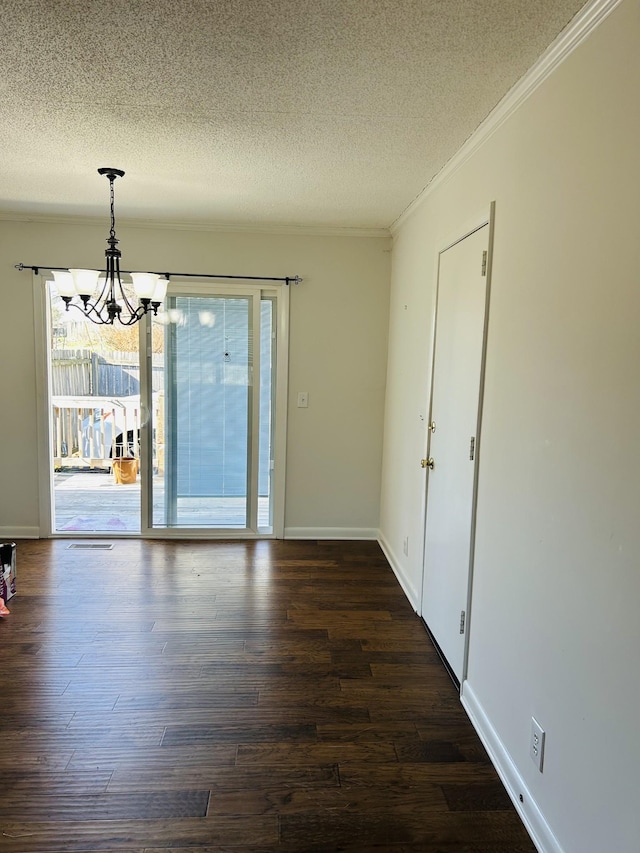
(255, 112)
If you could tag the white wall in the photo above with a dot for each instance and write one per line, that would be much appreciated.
(338, 335)
(555, 631)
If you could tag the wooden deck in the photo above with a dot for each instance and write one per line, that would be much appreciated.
(92, 502)
(254, 697)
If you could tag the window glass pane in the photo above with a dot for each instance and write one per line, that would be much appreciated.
(206, 434)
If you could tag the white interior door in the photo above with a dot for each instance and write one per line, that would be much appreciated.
(453, 445)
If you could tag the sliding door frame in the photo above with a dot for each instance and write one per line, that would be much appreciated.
(42, 328)
(279, 293)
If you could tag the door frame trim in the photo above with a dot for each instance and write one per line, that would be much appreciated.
(478, 445)
(486, 217)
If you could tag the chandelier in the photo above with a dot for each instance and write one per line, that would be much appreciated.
(105, 299)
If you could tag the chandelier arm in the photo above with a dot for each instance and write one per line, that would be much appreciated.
(103, 295)
(123, 296)
(136, 315)
(88, 310)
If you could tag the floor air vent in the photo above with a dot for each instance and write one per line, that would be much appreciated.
(89, 546)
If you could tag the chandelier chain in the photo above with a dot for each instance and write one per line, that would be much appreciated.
(112, 233)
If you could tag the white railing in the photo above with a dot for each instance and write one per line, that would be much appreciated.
(88, 432)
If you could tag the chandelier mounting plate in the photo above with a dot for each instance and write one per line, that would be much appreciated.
(112, 174)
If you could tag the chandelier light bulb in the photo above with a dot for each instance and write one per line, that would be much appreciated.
(85, 281)
(144, 284)
(160, 291)
(65, 284)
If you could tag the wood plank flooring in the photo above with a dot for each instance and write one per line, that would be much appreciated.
(262, 696)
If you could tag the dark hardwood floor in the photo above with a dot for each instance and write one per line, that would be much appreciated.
(233, 696)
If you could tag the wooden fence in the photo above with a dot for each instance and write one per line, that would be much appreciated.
(83, 373)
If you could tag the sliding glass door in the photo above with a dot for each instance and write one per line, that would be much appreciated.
(211, 436)
(94, 418)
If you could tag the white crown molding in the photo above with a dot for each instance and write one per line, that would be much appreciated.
(587, 19)
(291, 230)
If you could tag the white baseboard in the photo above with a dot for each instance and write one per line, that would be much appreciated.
(531, 816)
(330, 533)
(409, 590)
(10, 533)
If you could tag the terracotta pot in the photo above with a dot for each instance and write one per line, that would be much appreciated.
(125, 469)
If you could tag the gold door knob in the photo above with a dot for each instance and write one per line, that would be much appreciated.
(427, 463)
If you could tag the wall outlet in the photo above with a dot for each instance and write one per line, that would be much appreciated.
(536, 745)
(405, 546)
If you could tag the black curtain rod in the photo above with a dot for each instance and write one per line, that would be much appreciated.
(290, 279)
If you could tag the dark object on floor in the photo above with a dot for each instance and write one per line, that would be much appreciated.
(8, 573)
